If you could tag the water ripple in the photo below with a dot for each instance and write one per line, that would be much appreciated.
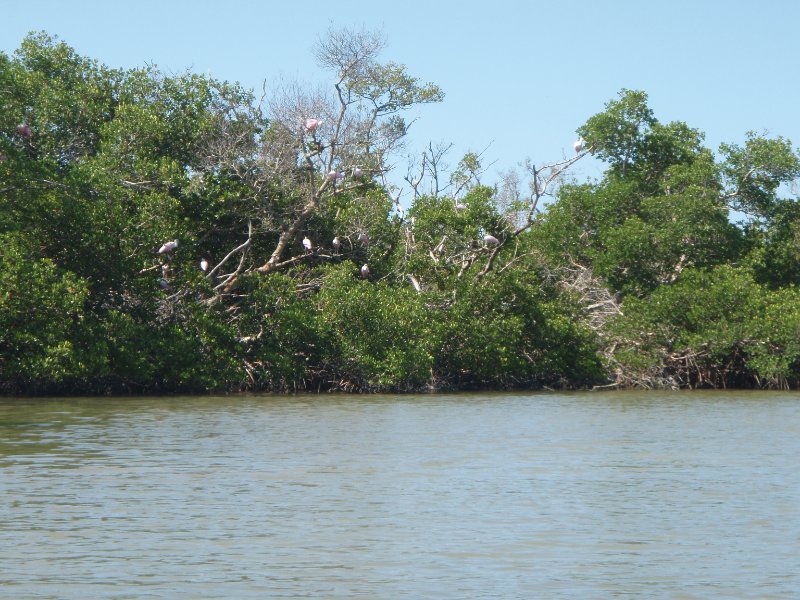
(464, 496)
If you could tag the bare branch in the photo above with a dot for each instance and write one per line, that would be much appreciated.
(348, 52)
(240, 248)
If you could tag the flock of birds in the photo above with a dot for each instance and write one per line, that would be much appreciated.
(337, 246)
(168, 247)
(311, 125)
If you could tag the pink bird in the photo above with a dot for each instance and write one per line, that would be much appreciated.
(312, 124)
(204, 265)
(168, 247)
(24, 130)
(460, 206)
(578, 145)
(491, 240)
(364, 271)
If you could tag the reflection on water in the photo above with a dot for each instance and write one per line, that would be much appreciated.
(590, 495)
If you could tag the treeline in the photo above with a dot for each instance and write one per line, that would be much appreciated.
(168, 233)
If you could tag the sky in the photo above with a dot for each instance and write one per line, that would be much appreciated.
(519, 76)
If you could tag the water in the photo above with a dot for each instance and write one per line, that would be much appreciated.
(594, 495)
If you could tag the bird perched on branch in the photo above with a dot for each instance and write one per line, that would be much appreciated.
(491, 240)
(168, 247)
(312, 124)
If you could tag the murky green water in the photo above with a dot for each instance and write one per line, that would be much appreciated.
(616, 495)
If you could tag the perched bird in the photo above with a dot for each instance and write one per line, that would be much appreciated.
(336, 243)
(357, 172)
(335, 175)
(307, 244)
(364, 271)
(204, 265)
(578, 145)
(24, 130)
(363, 238)
(460, 206)
(164, 284)
(491, 240)
(312, 124)
(168, 247)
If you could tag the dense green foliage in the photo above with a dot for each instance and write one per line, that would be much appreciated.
(637, 279)
(699, 301)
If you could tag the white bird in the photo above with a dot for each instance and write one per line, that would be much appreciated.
(335, 175)
(460, 206)
(204, 265)
(168, 247)
(307, 244)
(363, 238)
(364, 271)
(312, 124)
(336, 243)
(357, 172)
(578, 145)
(491, 240)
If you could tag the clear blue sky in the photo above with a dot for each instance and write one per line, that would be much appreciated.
(519, 76)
